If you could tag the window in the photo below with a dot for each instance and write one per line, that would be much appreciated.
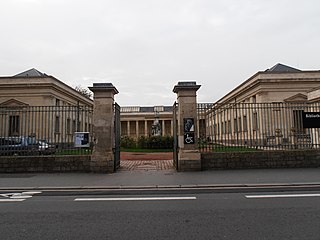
(297, 121)
(57, 102)
(14, 125)
(57, 124)
(235, 125)
(245, 123)
(255, 121)
(239, 124)
(68, 126)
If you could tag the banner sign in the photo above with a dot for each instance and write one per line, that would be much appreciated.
(188, 130)
(311, 119)
(81, 139)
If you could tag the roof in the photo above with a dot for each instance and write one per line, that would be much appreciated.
(31, 73)
(282, 68)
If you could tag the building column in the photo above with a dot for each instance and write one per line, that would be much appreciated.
(137, 129)
(102, 159)
(128, 128)
(171, 122)
(189, 157)
(146, 128)
(163, 128)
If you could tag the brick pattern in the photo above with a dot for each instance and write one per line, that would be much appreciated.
(146, 165)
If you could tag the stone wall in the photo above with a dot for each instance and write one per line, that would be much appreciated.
(261, 159)
(19, 164)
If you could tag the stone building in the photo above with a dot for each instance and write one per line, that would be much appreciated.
(267, 109)
(137, 121)
(280, 83)
(34, 103)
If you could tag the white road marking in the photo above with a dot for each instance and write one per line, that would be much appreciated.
(136, 199)
(11, 200)
(17, 197)
(284, 195)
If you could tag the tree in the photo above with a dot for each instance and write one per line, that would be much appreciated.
(84, 91)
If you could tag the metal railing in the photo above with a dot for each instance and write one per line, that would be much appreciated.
(34, 130)
(252, 126)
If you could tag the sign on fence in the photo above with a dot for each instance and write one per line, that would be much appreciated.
(311, 119)
(81, 139)
(188, 130)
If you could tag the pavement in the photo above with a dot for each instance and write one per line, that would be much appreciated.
(164, 179)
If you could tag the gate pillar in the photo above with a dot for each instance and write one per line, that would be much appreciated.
(189, 157)
(102, 159)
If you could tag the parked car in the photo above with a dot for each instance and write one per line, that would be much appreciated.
(20, 145)
(46, 148)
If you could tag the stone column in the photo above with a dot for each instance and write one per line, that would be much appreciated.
(137, 129)
(189, 157)
(146, 128)
(163, 128)
(128, 128)
(102, 159)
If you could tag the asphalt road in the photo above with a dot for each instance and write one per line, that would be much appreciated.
(261, 215)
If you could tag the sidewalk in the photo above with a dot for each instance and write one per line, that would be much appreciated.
(156, 179)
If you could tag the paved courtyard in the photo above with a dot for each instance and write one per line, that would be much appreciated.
(146, 161)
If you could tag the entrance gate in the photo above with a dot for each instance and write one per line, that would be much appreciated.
(175, 135)
(117, 137)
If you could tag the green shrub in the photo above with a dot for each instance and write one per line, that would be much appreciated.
(128, 142)
(153, 142)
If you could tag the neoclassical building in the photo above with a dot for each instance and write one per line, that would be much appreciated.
(137, 121)
(35, 88)
(280, 83)
(34, 103)
(266, 110)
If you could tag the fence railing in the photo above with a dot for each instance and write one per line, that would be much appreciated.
(33, 130)
(252, 126)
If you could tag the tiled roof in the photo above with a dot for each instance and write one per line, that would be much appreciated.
(31, 73)
(282, 68)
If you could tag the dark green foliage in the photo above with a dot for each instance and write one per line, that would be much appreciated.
(153, 142)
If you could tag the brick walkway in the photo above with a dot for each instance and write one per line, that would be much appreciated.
(146, 161)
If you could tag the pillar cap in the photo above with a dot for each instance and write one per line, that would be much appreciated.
(103, 87)
(187, 85)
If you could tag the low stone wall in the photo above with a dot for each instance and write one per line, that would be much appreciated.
(261, 159)
(19, 164)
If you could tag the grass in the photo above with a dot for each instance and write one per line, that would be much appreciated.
(73, 152)
(233, 149)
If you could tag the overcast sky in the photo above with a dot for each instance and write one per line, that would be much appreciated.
(144, 47)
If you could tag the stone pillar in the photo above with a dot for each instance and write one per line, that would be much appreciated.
(146, 128)
(163, 128)
(171, 127)
(137, 129)
(102, 159)
(128, 128)
(189, 157)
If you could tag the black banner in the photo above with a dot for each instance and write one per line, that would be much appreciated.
(311, 119)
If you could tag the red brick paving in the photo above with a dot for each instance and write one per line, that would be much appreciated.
(131, 161)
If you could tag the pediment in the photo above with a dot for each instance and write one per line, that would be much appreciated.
(297, 98)
(13, 103)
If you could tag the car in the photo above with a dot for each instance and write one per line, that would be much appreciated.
(45, 148)
(18, 145)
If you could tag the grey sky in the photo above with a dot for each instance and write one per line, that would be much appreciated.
(144, 47)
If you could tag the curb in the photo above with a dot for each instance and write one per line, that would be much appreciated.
(195, 187)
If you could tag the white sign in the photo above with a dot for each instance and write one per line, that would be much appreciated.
(81, 139)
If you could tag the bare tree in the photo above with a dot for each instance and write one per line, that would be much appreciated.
(84, 91)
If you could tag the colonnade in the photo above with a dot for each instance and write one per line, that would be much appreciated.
(136, 128)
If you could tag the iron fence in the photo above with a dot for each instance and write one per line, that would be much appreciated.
(33, 130)
(252, 126)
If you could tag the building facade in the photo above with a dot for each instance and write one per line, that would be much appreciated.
(34, 103)
(266, 110)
